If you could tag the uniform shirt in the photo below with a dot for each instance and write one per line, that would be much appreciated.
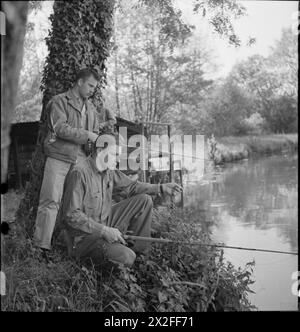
(87, 200)
(81, 104)
(65, 131)
(83, 117)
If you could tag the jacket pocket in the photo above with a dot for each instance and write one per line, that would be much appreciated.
(93, 204)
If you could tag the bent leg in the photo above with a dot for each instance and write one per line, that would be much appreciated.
(50, 197)
(98, 251)
(134, 214)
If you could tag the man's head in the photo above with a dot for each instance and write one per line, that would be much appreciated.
(107, 150)
(86, 82)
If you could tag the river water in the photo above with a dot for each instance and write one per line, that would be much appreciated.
(254, 203)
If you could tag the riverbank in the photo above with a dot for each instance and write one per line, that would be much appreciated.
(229, 149)
(172, 278)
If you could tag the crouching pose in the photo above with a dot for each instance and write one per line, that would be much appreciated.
(93, 225)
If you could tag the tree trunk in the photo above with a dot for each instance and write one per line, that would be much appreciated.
(12, 56)
(80, 36)
(134, 95)
(116, 71)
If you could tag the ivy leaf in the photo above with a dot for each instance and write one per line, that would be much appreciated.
(162, 297)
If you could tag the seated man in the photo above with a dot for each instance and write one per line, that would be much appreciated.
(95, 226)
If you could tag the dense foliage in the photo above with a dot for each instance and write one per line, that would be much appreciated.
(80, 37)
(233, 148)
(259, 95)
(149, 72)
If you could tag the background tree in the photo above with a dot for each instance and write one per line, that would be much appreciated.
(284, 59)
(155, 73)
(29, 99)
(272, 83)
(226, 106)
(11, 56)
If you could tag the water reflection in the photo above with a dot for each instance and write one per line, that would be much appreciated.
(255, 204)
(262, 193)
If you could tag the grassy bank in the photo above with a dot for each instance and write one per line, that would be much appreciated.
(171, 278)
(228, 149)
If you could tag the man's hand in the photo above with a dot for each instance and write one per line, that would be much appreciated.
(171, 189)
(102, 125)
(92, 136)
(111, 235)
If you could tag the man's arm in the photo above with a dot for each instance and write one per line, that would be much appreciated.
(62, 129)
(134, 187)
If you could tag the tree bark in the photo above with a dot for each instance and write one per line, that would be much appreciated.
(116, 71)
(134, 95)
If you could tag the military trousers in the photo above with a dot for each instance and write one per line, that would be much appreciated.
(132, 214)
(55, 172)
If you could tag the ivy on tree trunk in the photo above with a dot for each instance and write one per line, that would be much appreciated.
(79, 38)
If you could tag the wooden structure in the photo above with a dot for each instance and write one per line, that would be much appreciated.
(23, 140)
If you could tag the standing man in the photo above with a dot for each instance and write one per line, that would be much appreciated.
(72, 122)
(95, 226)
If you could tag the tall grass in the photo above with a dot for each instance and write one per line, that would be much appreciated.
(228, 149)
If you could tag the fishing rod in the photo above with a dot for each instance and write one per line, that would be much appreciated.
(193, 243)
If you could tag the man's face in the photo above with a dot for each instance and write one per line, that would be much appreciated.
(86, 86)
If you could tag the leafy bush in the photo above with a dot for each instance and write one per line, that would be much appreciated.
(29, 110)
(254, 124)
(231, 148)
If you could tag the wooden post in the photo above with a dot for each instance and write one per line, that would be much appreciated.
(171, 170)
(143, 149)
(181, 183)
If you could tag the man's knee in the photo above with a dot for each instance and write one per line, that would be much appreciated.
(146, 199)
(48, 204)
(128, 257)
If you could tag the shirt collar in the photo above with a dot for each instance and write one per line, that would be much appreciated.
(76, 95)
(76, 99)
